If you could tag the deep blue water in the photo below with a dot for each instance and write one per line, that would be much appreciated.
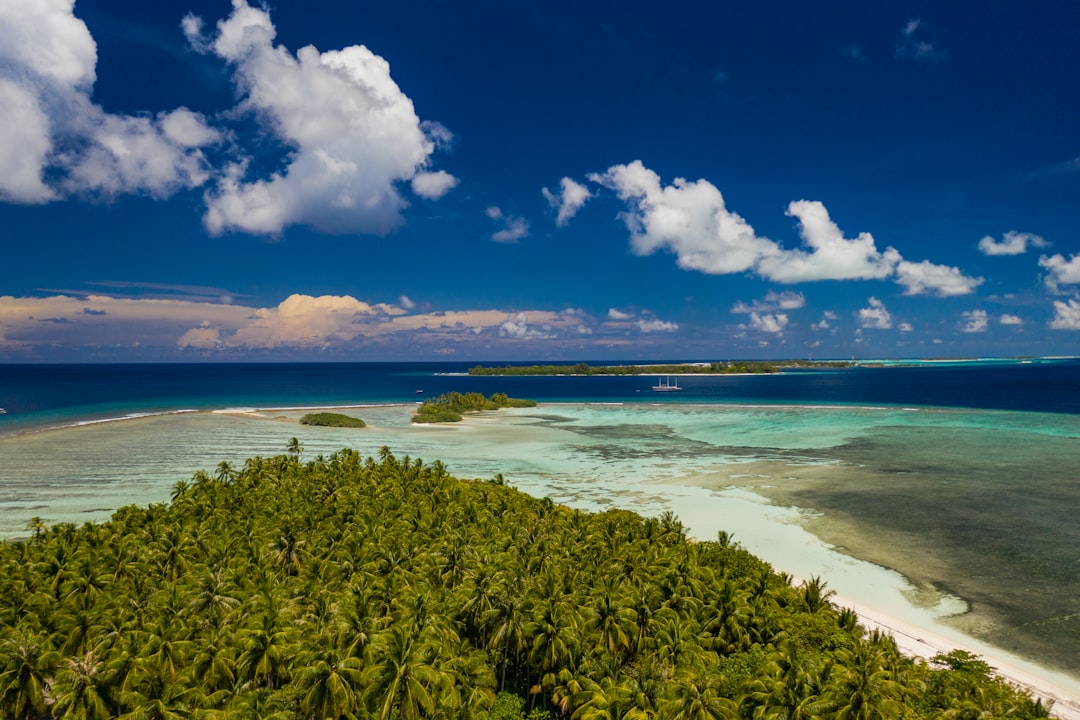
(44, 395)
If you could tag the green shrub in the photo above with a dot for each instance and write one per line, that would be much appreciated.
(329, 419)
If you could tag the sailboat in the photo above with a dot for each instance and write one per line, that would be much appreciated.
(666, 386)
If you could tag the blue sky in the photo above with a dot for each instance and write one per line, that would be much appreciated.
(331, 180)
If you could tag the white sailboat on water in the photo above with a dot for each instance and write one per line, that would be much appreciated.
(664, 385)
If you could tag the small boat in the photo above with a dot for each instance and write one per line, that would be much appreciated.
(666, 386)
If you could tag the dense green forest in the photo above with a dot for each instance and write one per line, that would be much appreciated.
(450, 406)
(741, 367)
(383, 588)
(332, 419)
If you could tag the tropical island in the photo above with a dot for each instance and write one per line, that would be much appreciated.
(741, 367)
(332, 419)
(384, 588)
(450, 407)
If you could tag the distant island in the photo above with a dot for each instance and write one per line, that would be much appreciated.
(329, 419)
(742, 367)
(451, 406)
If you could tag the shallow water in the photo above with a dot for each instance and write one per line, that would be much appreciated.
(975, 507)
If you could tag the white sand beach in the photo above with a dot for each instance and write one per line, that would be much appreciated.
(878, 595)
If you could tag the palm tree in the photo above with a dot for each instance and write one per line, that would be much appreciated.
(400, 678)
(263, 658)
(614, 623)
(28, 663)
(864, 689)
(330, 684)
(82, 690)
(507, 621)
(689, 699)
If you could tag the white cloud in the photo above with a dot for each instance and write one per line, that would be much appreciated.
(45, 40)
(433, 185)
(905, 327)
(975, 321)
(687, 218)
(518, 327)
(24, 146)
(769, 322)
(1007, 319)
(406, 303)
(54, 130)
(691, 220)
(616, 314)
(1013, 243)
(832, 256)
(572, 195)
(354, 135)
(875, 316)
(514, 228)
(1066, 315)
(654, 325)
(1060, 271)
(787, 300)
(941, 280)
(824, 323)
(129, 154)
(187, 129)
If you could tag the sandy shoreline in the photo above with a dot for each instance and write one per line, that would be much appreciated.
(924, 643)
(879, 596)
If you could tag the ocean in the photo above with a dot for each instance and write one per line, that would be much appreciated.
(948, 489)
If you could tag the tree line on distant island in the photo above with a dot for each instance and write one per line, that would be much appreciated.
(385, 589)
(741, 367)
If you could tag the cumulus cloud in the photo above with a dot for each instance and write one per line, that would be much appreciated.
(433, 185)
(787, 300)
(905, 327)
(769, 322)
(1060, 271)
(824, 324)
(1007, 319)
(570, 198)
(651, 325)
(875, 316)
(975, 321)
(616, 314)
(24, 146)
(513, 228)
(832, 256)
(691, 220)
(941, 280)
(57, 142)
(518, 327)
(1012, 243)
(354, 135)
(1066, 315)
(688, 218)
